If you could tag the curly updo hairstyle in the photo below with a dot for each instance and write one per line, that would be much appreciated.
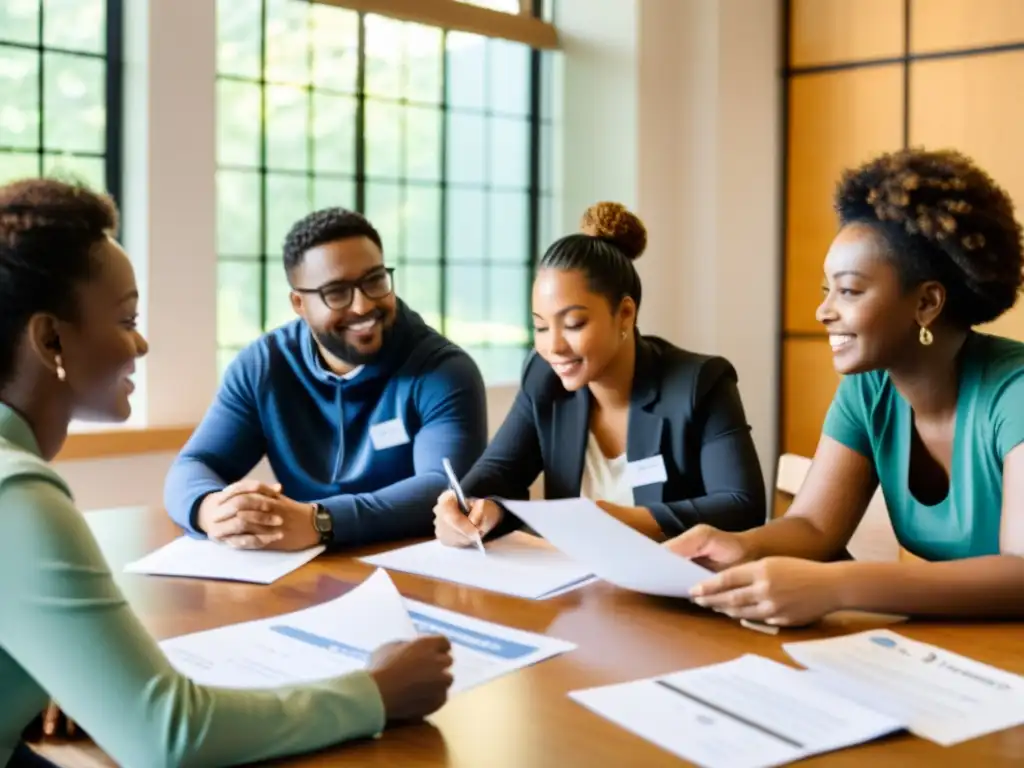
(48, 230)
(611, 238)
(943, 219)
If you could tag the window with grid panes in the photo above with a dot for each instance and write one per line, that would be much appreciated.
(60, 91)
(430, 133)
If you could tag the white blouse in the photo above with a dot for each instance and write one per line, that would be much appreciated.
(605, 479)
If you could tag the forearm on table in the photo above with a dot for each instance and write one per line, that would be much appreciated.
(399, 511)
(979, 587)
(791, 536)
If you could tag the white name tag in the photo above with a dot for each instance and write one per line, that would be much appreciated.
(388, 434)
(646, 471)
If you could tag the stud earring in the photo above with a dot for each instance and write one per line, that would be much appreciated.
(623, 334)
(61, 373)
(926, 337)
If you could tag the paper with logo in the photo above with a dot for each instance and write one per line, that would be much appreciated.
(747, 713)
(339, 637)
(941, 696)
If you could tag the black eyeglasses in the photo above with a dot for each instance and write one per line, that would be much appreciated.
(339, 294)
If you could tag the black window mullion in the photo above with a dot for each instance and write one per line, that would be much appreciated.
(533, 215)
(114, 155)
(361, 117)
(262, 169)
(443, 213)
(41, 86)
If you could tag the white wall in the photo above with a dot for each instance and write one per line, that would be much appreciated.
(673, 106)
(669, 106)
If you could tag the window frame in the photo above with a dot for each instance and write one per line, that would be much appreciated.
(534, 190)
(113, 96)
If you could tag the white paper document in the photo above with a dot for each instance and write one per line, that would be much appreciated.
(941, 696)
(207, 559)
(517, 564)
(339, 637)
(746, 713)
(610, 549)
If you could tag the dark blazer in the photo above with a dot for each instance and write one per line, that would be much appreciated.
(684, 406)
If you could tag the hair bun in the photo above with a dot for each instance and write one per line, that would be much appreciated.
(616, 223)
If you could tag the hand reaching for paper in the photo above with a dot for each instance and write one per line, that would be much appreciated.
(710, 547)
(252, 515)
(784, 591)
(413, 677)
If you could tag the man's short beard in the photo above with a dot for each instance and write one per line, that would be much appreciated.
(344, 351)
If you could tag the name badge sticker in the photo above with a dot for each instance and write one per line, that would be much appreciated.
(646, 471)
(388, 434)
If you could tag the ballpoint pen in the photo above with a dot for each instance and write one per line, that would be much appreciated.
(460, 497)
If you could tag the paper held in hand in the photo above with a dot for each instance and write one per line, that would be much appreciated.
(205, 559)
(613, 551)
(610, 549)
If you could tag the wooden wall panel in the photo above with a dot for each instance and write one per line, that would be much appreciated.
(947, 25)
(831, 31)
(808, 383)
(836, 120)
(967, 103)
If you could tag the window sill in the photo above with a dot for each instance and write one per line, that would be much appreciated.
(124, 442)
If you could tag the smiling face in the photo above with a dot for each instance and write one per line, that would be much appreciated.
(872, 320)
(352, 334)
(575, 330)
(99, 348)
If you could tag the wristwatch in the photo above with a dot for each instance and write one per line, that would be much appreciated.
(323, 523)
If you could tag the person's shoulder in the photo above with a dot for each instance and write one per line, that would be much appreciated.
(434, 354)
(684, 369)
(17, 464)
(998, 359)
(257, 360)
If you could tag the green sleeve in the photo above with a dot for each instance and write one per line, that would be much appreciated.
(1007, 413)
(847, 419)
(66, 623)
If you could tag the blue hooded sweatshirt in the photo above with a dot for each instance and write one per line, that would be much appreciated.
(367, 446)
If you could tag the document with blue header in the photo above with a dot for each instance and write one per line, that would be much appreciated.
(339, 637)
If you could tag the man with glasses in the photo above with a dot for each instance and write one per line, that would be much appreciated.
(354, 404)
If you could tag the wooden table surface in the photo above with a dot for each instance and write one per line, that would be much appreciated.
(526, 720)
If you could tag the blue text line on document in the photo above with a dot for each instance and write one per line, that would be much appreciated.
(493, 646)
(325, 643)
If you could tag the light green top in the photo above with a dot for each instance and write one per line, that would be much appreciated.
(869, 416)
(66, 632)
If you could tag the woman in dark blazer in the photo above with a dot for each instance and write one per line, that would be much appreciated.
(654, 434)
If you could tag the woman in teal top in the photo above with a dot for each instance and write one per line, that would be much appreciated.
(68, 346)
(928, 408)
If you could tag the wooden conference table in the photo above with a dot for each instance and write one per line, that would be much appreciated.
(526, 718)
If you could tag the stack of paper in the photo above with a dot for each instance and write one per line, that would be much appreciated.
(339, 637)
(517, 564)
(746, 713)
(752, 712)
(206, 559)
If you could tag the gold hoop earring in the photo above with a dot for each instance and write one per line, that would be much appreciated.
(61, 373)
(926, 337)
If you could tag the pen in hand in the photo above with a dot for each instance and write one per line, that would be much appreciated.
(460, 497)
